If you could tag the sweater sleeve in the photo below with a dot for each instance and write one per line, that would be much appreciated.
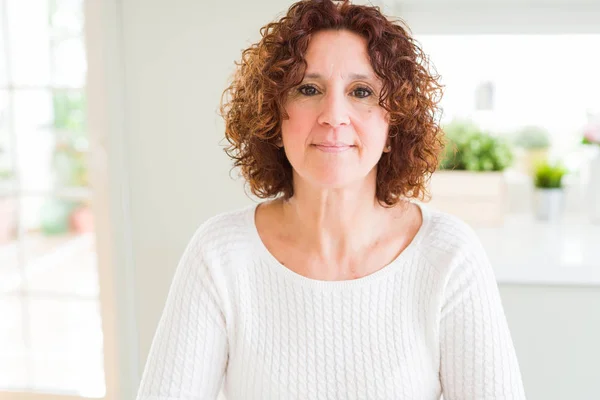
(477, 355)
(189, 352)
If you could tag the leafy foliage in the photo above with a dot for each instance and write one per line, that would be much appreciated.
(532, 138)
(471, 149)
(549, 175)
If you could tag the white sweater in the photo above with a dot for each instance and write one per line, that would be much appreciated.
(429, 323)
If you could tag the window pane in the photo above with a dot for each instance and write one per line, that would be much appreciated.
(33, 114)
(13, 356)
(29, 41)
(66, 18)
(62, 262)
(66, 346)
(52, 144)
(6, 145)
(10, 273)
(3, 60)
(59, 249)
(69, 64)
(69, 111)
(71, 146)
(8, 204)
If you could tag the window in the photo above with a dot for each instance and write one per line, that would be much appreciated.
(51, 333)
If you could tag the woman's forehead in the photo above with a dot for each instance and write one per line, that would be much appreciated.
(333, 54)
(336, 43)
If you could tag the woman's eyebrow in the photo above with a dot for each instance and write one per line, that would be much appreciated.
(313, 75)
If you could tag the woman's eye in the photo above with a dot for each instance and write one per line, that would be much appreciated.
(362, 92)
(308, 90)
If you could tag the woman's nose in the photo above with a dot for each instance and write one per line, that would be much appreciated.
(334, 111)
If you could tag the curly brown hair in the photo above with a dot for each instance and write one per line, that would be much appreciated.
(253, 105)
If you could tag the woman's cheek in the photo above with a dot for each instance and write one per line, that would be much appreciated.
(366, 112)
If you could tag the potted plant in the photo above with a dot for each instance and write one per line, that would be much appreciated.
(532, 144)
(71, 172)
(70, 165)
(470, 182)
(549, 193)
(82, 218)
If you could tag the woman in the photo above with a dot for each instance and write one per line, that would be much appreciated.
(340, 286)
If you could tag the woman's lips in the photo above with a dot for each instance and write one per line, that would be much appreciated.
(332, 149)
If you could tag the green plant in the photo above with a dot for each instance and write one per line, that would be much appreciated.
(70, 163)
(591, 133)
(471, 149)
(548, 175)
(69, 111)
(585, 140)
(532, 138)
(71, 149)
(5, 174)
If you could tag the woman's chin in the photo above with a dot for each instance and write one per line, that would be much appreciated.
(334, 177)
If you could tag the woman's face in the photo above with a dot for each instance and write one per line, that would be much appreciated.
(336, 131)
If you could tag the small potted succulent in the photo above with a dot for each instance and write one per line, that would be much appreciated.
(532, 144)
(470, 182)
(549, 192)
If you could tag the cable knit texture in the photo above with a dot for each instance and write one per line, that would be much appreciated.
(239, 324)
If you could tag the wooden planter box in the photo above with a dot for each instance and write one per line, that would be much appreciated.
(479, 198)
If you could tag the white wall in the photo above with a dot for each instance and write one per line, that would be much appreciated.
(157, 70)
(556, 333)
(156, 73)
(496, 16)
(178, 57)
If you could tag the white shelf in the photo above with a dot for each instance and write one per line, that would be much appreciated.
(527, 251)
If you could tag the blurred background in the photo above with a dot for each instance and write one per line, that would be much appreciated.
(111, 156)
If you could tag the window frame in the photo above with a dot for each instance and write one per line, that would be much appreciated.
(101, 210)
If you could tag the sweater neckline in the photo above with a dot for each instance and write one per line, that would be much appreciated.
(388, 269)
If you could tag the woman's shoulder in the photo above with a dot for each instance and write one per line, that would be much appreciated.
(445, 228)
(225, 231)
(449, 238)
(230, 219)
(449, 228)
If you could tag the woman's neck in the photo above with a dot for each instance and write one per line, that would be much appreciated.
(334, 226)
